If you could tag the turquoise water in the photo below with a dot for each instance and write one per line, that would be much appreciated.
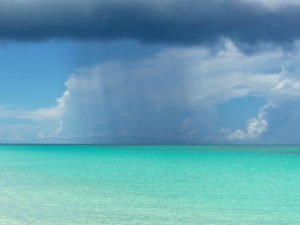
(135, 185)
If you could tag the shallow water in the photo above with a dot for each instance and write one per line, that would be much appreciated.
(219, 184)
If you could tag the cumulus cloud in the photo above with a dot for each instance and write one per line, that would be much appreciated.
(30, 126)
(170, 22)
(37, 114)
(171, 97)
(254, 129)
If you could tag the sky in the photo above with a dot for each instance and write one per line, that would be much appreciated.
(150, 71)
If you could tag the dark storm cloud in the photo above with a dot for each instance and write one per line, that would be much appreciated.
(171, 22)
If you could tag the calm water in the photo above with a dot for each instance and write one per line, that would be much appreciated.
(236, 185)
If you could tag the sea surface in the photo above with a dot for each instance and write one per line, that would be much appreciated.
(141, 185)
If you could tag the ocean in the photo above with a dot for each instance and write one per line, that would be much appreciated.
(143, 185)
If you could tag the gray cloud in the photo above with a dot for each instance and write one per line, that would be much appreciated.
(168, 22)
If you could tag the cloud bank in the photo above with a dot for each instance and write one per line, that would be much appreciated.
(181, 22)
(172, 97)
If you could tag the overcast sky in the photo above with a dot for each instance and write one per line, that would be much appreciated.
(150, 71)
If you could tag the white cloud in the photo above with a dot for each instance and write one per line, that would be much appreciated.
(197, 78)
(158, 98)
(46, 122)
(38, 114)
(254, 129)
